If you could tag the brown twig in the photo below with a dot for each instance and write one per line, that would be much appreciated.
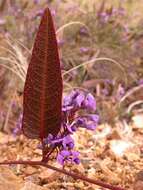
(75, 176)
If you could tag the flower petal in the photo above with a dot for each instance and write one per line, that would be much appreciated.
(68, 99)
(89, 102)
(93, 117)
(75, 156)
(68, 142)
(79, 100)
(91, 126)
(63, 156)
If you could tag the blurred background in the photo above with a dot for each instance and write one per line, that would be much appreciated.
(101, 51)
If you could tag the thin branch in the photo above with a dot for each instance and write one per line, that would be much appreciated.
(75, 176)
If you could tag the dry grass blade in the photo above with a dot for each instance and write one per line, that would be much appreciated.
(20, 43)
(69, 24)
(131, 106)
(130, 92)
(11, 67)
(96, 60)
(19, 55)
(16, 63)
(76, 87)
(67, 84)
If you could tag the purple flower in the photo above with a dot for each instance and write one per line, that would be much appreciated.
(71, 120)
(70, 156)
(75, 156)
(114, 11)
(120, 92)
(68, 100)
(68, 142)
(140, 82)
(93, 117)
(53, 12)
(105, 92)
(89, 102)
(79, 100)
(91, 126)
(63, 156)
(104, 17)
(83, 31)
(84, 49)
(89, 121)
(80, 121)
(51, 141)
(61, 42)
(73, 101)
(36, 1)
(108, 81)
(13, 105)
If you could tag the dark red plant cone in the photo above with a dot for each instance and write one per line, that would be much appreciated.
(43, 87)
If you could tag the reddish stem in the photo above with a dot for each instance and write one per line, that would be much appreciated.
(75, 176)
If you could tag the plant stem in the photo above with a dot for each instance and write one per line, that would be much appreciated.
(75, 176)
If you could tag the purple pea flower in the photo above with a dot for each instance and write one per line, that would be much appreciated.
(61, 42)
(79, 100)
(53, 12)
(84, 49)
(93, 117)
(91, 126)
(120, 92)
(63, 156)
(75, 157)
(68, 156)
(105, 92)
(53, 141)
(89, 102)
(140, 82)
(68, 100)
(83, 31)
(73, 101)
(80, 121)
(39, 13)
(68, 142)
(108, 81)
(71, 120)
(36, 1)
(13, 105)
(104, 17)
(88, 122)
